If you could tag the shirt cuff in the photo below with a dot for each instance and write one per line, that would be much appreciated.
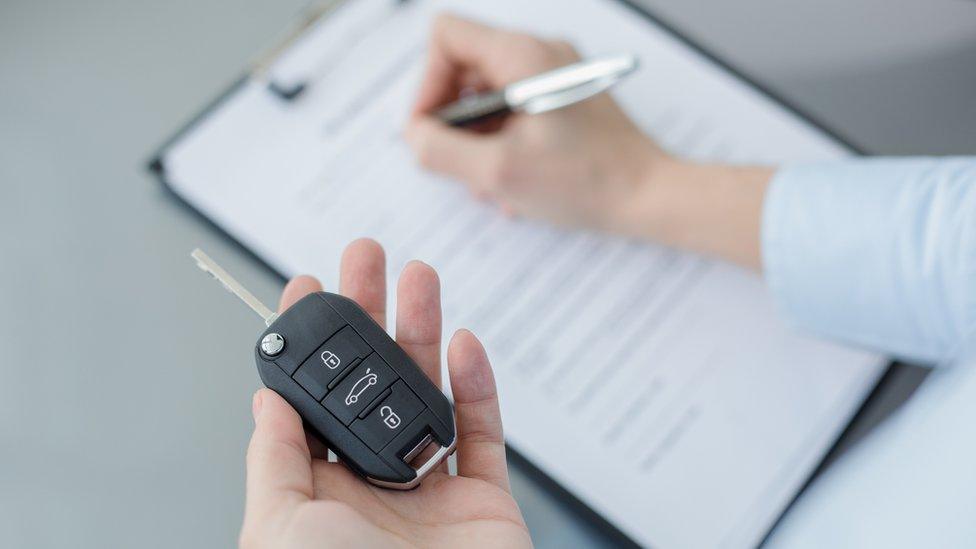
(880, 253)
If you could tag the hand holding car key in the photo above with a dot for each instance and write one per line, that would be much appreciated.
(325, 504)
(351, 383)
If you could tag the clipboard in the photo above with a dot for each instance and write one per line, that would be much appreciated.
(259, 70)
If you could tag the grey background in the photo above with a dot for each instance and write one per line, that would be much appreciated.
(126, 376)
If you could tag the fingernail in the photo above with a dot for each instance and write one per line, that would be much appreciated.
(256, 403)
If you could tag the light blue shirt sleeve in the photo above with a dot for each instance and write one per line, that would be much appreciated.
(880, 253)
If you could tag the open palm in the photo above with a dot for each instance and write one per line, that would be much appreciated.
(295, 498)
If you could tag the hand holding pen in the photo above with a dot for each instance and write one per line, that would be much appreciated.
(584, 165)
(589, 153)
(543, 92)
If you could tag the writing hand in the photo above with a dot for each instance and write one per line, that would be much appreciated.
(584, 165)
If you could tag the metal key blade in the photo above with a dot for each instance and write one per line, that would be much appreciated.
(233, 286)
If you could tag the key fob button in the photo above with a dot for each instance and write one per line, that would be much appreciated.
(313, 378)
(340, 350)
(389, 417)
(359, 388)
(330, 360)
(304, 333)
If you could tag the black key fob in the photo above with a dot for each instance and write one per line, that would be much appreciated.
(356, 389)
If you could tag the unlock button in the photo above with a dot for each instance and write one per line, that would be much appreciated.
(388, 418)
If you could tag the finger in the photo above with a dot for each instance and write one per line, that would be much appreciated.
(418, 317)
(297, 288)
(473, 82)
(362, 277)
(467, 156)
(279, 473)
(481, 445)
(418, 323)
(440, 84)
(456, 45)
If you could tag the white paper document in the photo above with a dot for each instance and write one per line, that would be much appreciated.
(662, 389)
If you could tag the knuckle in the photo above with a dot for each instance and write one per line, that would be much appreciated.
(564, 50)
(527, 44)
(545, 54)
(532, 42)
(483, 435)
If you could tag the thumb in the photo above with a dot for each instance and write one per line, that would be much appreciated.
(279, 468)
(475, 159)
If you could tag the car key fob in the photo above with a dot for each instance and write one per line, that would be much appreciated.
(356, 388)
(351, 384)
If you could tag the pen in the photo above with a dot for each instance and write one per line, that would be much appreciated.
(544, 92)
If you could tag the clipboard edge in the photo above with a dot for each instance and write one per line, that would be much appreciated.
(156, 163)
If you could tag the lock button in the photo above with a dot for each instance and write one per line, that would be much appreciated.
(389, 417)
(332, 358)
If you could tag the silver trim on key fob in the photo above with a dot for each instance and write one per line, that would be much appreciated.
(439, 456)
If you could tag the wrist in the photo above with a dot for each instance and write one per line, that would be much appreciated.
(713, 209)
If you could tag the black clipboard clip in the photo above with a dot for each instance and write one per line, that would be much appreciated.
(290, 87)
